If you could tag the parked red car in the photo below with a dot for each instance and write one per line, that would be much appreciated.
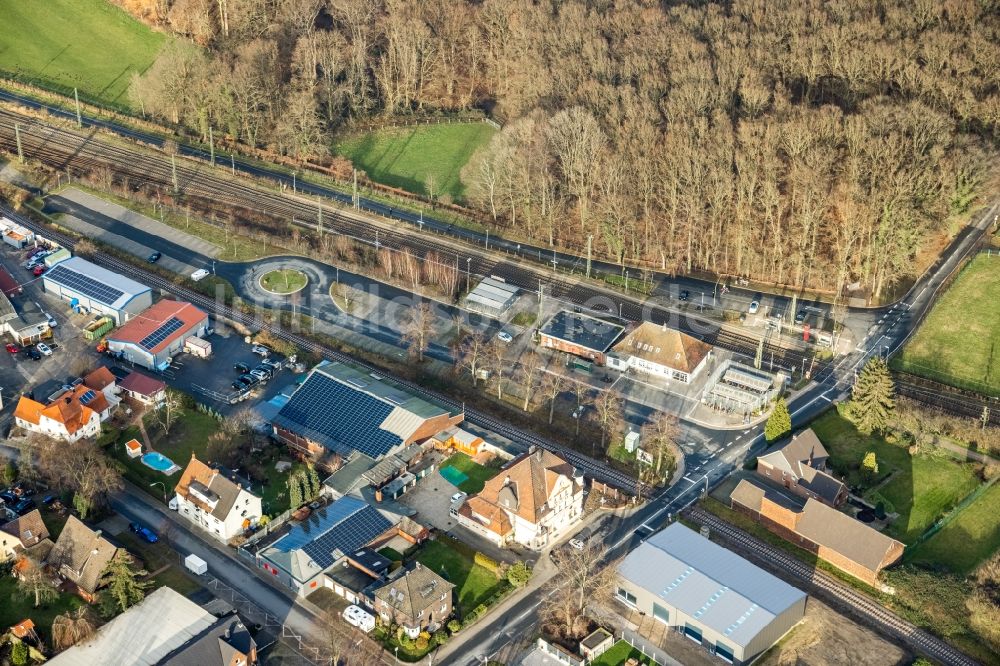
(38, 270)
(12, 348)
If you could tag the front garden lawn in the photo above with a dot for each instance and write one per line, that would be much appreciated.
(478, 474)
(921, 488)
(474, 584)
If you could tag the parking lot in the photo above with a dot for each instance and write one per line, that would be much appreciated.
(210, 380)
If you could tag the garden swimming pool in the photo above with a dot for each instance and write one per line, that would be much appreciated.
(159, 462)
(454, 476)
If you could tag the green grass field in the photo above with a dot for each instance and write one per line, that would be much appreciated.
(922, 487)
(478, 474)
(959, 342)
(405, 157)
(969, 539)
(88, 44)
(618, 654)
(14, 608)
(474, 584)
(284, 281)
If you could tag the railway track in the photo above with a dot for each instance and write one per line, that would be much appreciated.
(64, 149)
(886, 620)
(588, 465)
(947, 398)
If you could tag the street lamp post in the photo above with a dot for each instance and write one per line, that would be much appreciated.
(468, 274)
(395, 651)
(213, 266)
(164, 489)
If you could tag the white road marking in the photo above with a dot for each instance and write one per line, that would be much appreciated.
(688, 478)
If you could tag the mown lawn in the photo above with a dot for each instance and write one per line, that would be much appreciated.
(474, 584)
(969, 539)
(618, 654)
(406, 157)
(283, 280)
(922, 487)
(88, 44)
(478, 474)
(959, 342)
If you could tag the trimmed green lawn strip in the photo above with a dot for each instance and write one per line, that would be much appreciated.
(618, 654)
(88, 44)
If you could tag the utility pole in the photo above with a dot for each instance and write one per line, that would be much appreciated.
(626, 282)
(760, 353)
(487, 239)
(376, 242)
(79, 118)
(232, 156)
(211, 145)
(985, 418)
(354, 190)
(319, 213)
(590, 241)
(293, 182)
(173, 170)
(540, 293)
(17, 135)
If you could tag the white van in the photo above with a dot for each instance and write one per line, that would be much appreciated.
(199, 274)
(360, 618)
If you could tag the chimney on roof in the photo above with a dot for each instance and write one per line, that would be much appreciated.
(69, 399)
(664, 327)
(97, 534)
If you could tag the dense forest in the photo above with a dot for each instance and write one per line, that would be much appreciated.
(815, 143)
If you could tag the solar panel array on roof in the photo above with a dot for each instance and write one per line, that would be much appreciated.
(338, 417)
(85, 285)
(353, 532)
(87, 397)
(346, 525)
(162, 332)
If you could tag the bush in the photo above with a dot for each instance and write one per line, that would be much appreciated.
(486, 562)
(518, 574)
(440, 636)
(423, 641)
(19, 654)
(454, 626)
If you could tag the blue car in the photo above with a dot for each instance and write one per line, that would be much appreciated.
(146, 533)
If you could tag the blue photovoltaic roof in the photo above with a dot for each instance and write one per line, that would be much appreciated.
(96, 283)
(346, 525)
(87, 397)
(339, 417)
(161, 333)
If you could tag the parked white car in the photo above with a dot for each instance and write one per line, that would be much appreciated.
(360, 618)
(199, 274)
(43, 349)
(504, 336)
(754, 307)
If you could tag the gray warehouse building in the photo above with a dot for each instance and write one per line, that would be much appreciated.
(87, 286)
(710, 595)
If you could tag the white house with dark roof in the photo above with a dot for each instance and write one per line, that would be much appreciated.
(709, 594)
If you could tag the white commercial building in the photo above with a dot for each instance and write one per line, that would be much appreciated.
(88, 287)
(708, 594)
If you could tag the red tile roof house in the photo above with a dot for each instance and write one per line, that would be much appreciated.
(74, 415)
(143, 388)
(532, 502)
(158, 333)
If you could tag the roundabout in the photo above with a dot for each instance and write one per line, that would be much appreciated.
(283, 281)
